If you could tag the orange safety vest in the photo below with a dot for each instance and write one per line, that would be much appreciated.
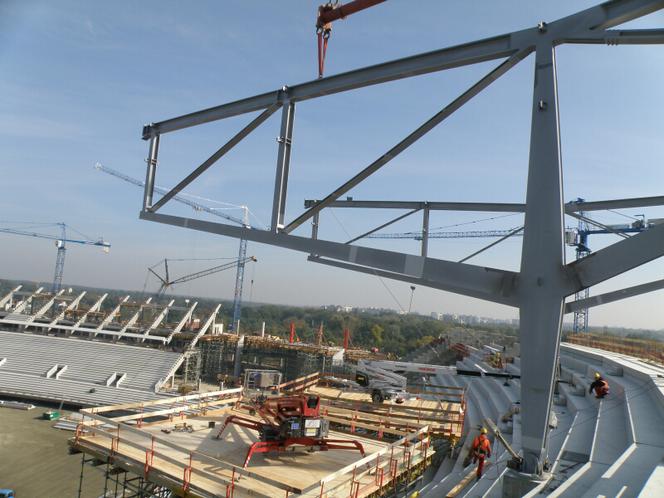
(603, 387)
(482, 445)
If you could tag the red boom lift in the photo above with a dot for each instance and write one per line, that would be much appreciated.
(288, 421)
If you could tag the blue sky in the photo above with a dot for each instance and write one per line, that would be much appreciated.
(79, 79)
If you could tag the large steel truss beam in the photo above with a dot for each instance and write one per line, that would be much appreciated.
(223, 150)
(475, 281)
(413, 137)
(493, 207)
(613, 296)
(542, 284)
(596, 18)
(617, 258)
(489, 49)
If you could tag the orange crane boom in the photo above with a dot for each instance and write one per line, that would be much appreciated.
(327, 14)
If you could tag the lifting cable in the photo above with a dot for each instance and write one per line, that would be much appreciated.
(323, 34)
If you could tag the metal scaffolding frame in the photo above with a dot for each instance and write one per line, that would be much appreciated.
(544, 281)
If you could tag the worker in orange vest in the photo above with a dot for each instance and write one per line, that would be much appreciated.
(481, 450)
(600, 386)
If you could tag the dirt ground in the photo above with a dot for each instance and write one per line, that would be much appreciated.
(34, 458)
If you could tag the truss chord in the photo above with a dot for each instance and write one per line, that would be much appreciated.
(413, 137)
(237, 138)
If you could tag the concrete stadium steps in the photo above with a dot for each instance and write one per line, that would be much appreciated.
(90, 365)
(93, 362)
(70, 391)
(612, 447)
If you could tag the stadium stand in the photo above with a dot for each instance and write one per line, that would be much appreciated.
(86, 373)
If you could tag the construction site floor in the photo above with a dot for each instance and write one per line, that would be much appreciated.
(298, 469)
(34, 460)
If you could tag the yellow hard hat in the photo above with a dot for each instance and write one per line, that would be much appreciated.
(483, 430)
(597, 375)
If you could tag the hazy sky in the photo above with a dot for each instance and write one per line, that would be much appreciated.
(78, 79)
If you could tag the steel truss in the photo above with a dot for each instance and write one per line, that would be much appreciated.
(544, 281)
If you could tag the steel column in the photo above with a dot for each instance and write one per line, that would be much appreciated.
(283, 166)
(151, 172)
(541, 289)
(425, 231)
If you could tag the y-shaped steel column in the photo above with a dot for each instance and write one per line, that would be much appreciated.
(542, 260)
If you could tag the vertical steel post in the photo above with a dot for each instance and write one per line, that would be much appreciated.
(283, 166)
(542, 260)
(314, 226)
(151, 172)
(425, 230)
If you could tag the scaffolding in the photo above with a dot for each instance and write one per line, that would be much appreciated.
(191, 367)
(120, 483)
(217, 355)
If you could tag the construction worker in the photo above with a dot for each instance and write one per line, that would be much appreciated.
(600, 386)
(481, 449)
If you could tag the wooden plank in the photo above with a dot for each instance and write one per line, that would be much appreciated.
(179, 408)
(178, 399)
(463, 483)
(376, 428)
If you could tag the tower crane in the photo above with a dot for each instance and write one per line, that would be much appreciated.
(244, 222)
(60, 243)
(575, 237)
(166, 281)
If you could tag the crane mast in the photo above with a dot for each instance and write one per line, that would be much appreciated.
(60, 242)
(59, 261)
(244, 222)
